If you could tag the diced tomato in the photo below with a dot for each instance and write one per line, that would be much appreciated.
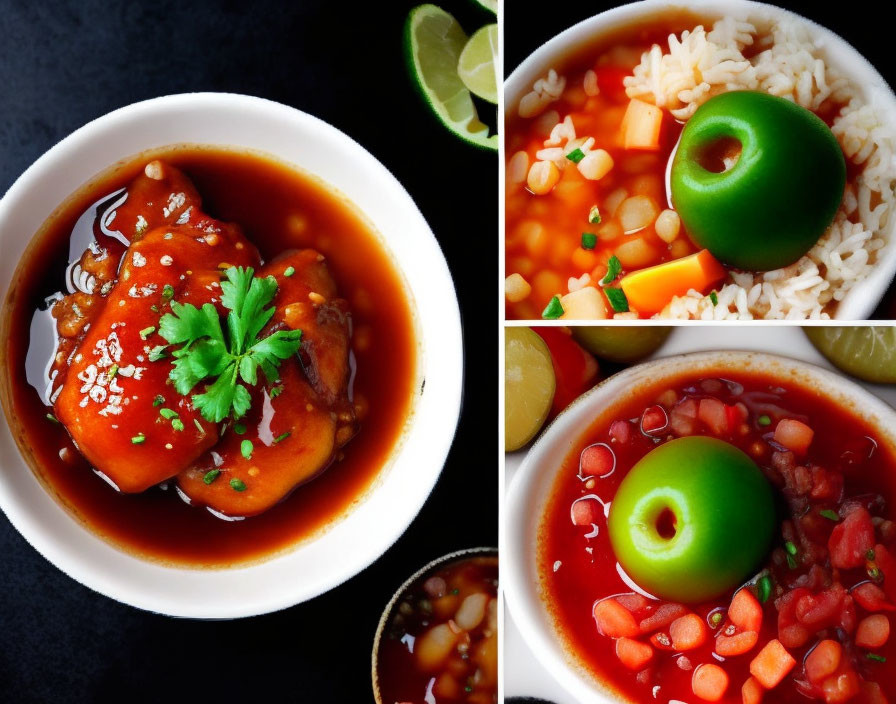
(663, 617)
(575, 369)
(752, 692)
(852, 539)
(871, 597)
(597, 461)
(827, 485)
(736, 415)
(709, 682)
(633, 654)
(609, 80)
(822, 609)
(745, 611)
(873, 631)
(586, 512)
(662, 641)
(772, 664)
(614, 620)
(688, 632)
(791, 632)
(841, 687)
(621, 431)
(823, 661)
(683, 418)
(738, 644)
(654, 420)
(713, 414)
(886, 563)
(794, 435)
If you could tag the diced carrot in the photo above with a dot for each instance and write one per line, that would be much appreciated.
(649, 290)
(873, 632)
(688, 632)
(841, 687)
(641, 126)
(772, 664)
(794, 435)
(823, 661)
(633, 654)
(745, 611)
(709, 682)
(614, 620)
(871, 597)
(752, 692)
(738, 644)
(711, 411)
(663, 617)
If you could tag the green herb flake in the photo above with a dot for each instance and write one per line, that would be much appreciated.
(146, 332)
(275, 391)
(154, 308)
(290, 270)
(716, 619)
(177, 424)
(167, 292)
(281, 438)
(790, 548)
(246, 449)
(237, 485)
(168, 414)
(870, 556)
(455, 592)
(714, 297)
(764, 421)
(138, 439)
(113, 370)
(875, 657)
(211, 475)
(594, 215)
(617, 299)
(158, 400)
(553, 310)
(157, 353)
(468, 688)
(829, 514)
(199, 426)
(239, 428)
(576, 155)
(764, 588)
(874, 573)
(53, 419)
(614, 267)
(589, 240)
(791, 561)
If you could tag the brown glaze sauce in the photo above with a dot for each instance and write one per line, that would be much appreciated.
(279, 208)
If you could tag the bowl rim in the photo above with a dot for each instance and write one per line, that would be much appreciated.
(447, 360)
(530, 488)
(861, 300)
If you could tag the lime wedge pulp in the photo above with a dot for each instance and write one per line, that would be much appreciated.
(476, 67)
(490, 5)
(866, 352)
(433, 44)
(529, 385)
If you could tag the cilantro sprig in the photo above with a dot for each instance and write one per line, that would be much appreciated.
(228, 363)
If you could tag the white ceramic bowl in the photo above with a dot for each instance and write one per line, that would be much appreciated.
(527, 497)
(354, 541)
(862, 299)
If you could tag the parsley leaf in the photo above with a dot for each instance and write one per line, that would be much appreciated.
(224, 361)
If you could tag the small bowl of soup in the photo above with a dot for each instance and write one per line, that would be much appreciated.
(438, 637)
(716, 526)
(719, 160)
(220, 319)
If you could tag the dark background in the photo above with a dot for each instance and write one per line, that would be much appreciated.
(63, 64)
(523, 34)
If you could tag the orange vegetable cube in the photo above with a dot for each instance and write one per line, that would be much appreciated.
(650, 290)
(752, 692)
(614, 620)
(709, 682)
(641, 126)
(738, 644)
(688, 632)
(794, 435)
(745, 611)
(823, 661)
(873, 631)
(772, 664)
(633, 654)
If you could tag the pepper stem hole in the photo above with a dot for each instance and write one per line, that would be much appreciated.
(666, 524)
(720, 155)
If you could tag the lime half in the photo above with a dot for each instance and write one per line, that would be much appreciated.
(433, 43)
(529, 385)
(490, 5)
(866, 352)
(476, 67)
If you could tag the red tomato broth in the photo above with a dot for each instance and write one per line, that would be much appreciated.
(582, 578)
(278, 208)
(400, 677)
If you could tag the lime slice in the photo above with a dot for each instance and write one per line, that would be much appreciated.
(490, 5)
(529, 385)
(476, 67)
(866, 352)
(624, 344)
(433, 42)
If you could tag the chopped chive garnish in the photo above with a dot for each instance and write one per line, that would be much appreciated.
(275, 392)
(714, 298)
(594, 215)
(764, 587)
(830, 515)
(199, 426)
(790, 548)
(281, 438)
(553, 310)
(791, 561)
(290, 270)
(237, 485)
(614, 266)
(589, 240)
(177, 424)
(870, 556)
(168, 414)
(167, 292)
(576, 155)
(239, 428)
(52, 418)
(154, 308)
(468, 688)
(158, 400)
(455, 592)
(715, 619)
(158, 353)
(617, 299)
(138, 439)
(875, 657)
(874, 573)
(764, 420)
(146, 332)
(113, 370)
(211, 475)
(246, 449)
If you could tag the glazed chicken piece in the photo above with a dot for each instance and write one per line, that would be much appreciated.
(111, 397)
(295, 426)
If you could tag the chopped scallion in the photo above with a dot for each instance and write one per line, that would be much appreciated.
(614, 266)
(764, 588)
(290, 270)
(553, 310)
(875, 657)
(154, 308)
(791, 561)
(146, 332)
(576, 155)
(138, 439)
(714, 297)
(617, 299)
(716, 619)
(874, 573)
(167, 292)
(275, 391)
(589, 240)
(246, 449)
(594, 215)
(52, 418)
(177, 424)
(113, 370)
(790, 547)
(870, 556)
(239, 428)
(168, 414)
(158, 353)
(764, 420)
(237, 485)
(281, 438)
(829, 514)
(211, 475)
(158, 400)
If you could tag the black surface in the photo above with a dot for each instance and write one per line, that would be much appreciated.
(63, 64)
